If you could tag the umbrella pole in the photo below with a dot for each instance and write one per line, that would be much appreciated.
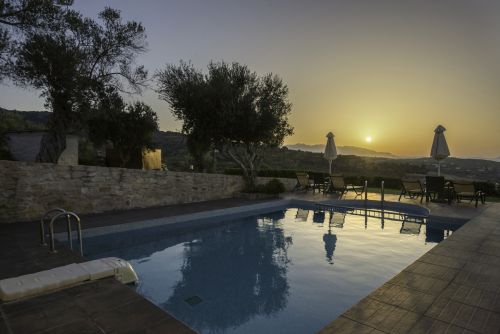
(439, 167)
(330, 166)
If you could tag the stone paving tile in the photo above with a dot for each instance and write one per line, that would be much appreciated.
(493, 259)
(419, 282)
(345, 325)
(382, 316)
(403, 297)
(445, 261)
(85, 326)
(168, 326)
(432, 270)
(483, 269)
(489, 248)
(44, 318)
(465, 316)
(473, 279)
(135, 315)
(442, 250)
(489, 300)
(428, 325)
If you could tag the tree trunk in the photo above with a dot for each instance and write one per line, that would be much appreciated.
(54, 141)
(52, 145)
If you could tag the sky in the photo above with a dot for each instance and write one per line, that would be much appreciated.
(389, 70)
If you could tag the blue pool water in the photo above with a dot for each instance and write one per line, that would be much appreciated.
(291, 271)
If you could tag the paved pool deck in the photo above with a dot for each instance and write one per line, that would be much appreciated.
(454, 287)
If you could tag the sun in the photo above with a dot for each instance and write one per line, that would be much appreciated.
(368, 139)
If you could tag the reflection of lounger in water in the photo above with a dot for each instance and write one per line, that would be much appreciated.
(302, 215)
(319, 217)
(410, 228)
(330, 241)
(337, 219)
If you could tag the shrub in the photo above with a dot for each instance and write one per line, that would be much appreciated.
(274, 186)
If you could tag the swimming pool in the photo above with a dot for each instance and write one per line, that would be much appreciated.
(289, 271)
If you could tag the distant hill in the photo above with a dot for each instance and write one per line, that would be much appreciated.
(36, 117)
(352, 161)
(344, 150)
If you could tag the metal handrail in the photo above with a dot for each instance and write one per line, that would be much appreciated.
(68, 215)
(42, 223)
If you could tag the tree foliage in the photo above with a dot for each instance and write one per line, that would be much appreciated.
(231, 108)
(77, 62)
(18, 17)
(129, 128)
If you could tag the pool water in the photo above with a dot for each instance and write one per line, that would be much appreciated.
(291, 271)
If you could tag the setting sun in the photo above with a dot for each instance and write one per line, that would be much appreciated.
(368, 139)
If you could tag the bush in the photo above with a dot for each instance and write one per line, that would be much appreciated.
(274, 186)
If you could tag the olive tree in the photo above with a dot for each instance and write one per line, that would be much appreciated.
(17, 17)
(76, 62)
(229, 107)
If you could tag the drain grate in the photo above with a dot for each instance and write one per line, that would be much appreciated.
(193, 300)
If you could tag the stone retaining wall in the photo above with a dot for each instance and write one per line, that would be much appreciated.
(28, 189)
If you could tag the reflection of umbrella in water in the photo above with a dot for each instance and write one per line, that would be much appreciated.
(439, 150)
(330, 240)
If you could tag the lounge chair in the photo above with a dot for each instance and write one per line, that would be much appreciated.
(467, 190)
(412, 189)
(437, 190)
(338, 184)
(302, 182)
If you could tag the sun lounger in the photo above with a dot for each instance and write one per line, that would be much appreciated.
(338, 184)
(302, 182)
(467, 190)
(412, 189)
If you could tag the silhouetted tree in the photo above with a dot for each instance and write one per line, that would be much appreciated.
(75, 63)
(17, 17)
(231, 108)
(130, 128)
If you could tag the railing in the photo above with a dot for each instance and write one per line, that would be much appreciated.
(62, 213)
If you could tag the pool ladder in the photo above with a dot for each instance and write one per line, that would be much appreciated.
(54, 215)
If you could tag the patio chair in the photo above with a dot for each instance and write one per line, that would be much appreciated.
(437, 190)
(338, 184)
(467, 190)
(302, 181)
(320, 183)
(412, 189)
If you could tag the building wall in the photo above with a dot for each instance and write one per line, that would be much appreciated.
(24, 146)
(70, 154)
(29, 189)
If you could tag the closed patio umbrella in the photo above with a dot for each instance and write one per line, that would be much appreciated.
(330, 150)
(439, 149)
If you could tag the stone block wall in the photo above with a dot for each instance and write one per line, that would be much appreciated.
(28, 189)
